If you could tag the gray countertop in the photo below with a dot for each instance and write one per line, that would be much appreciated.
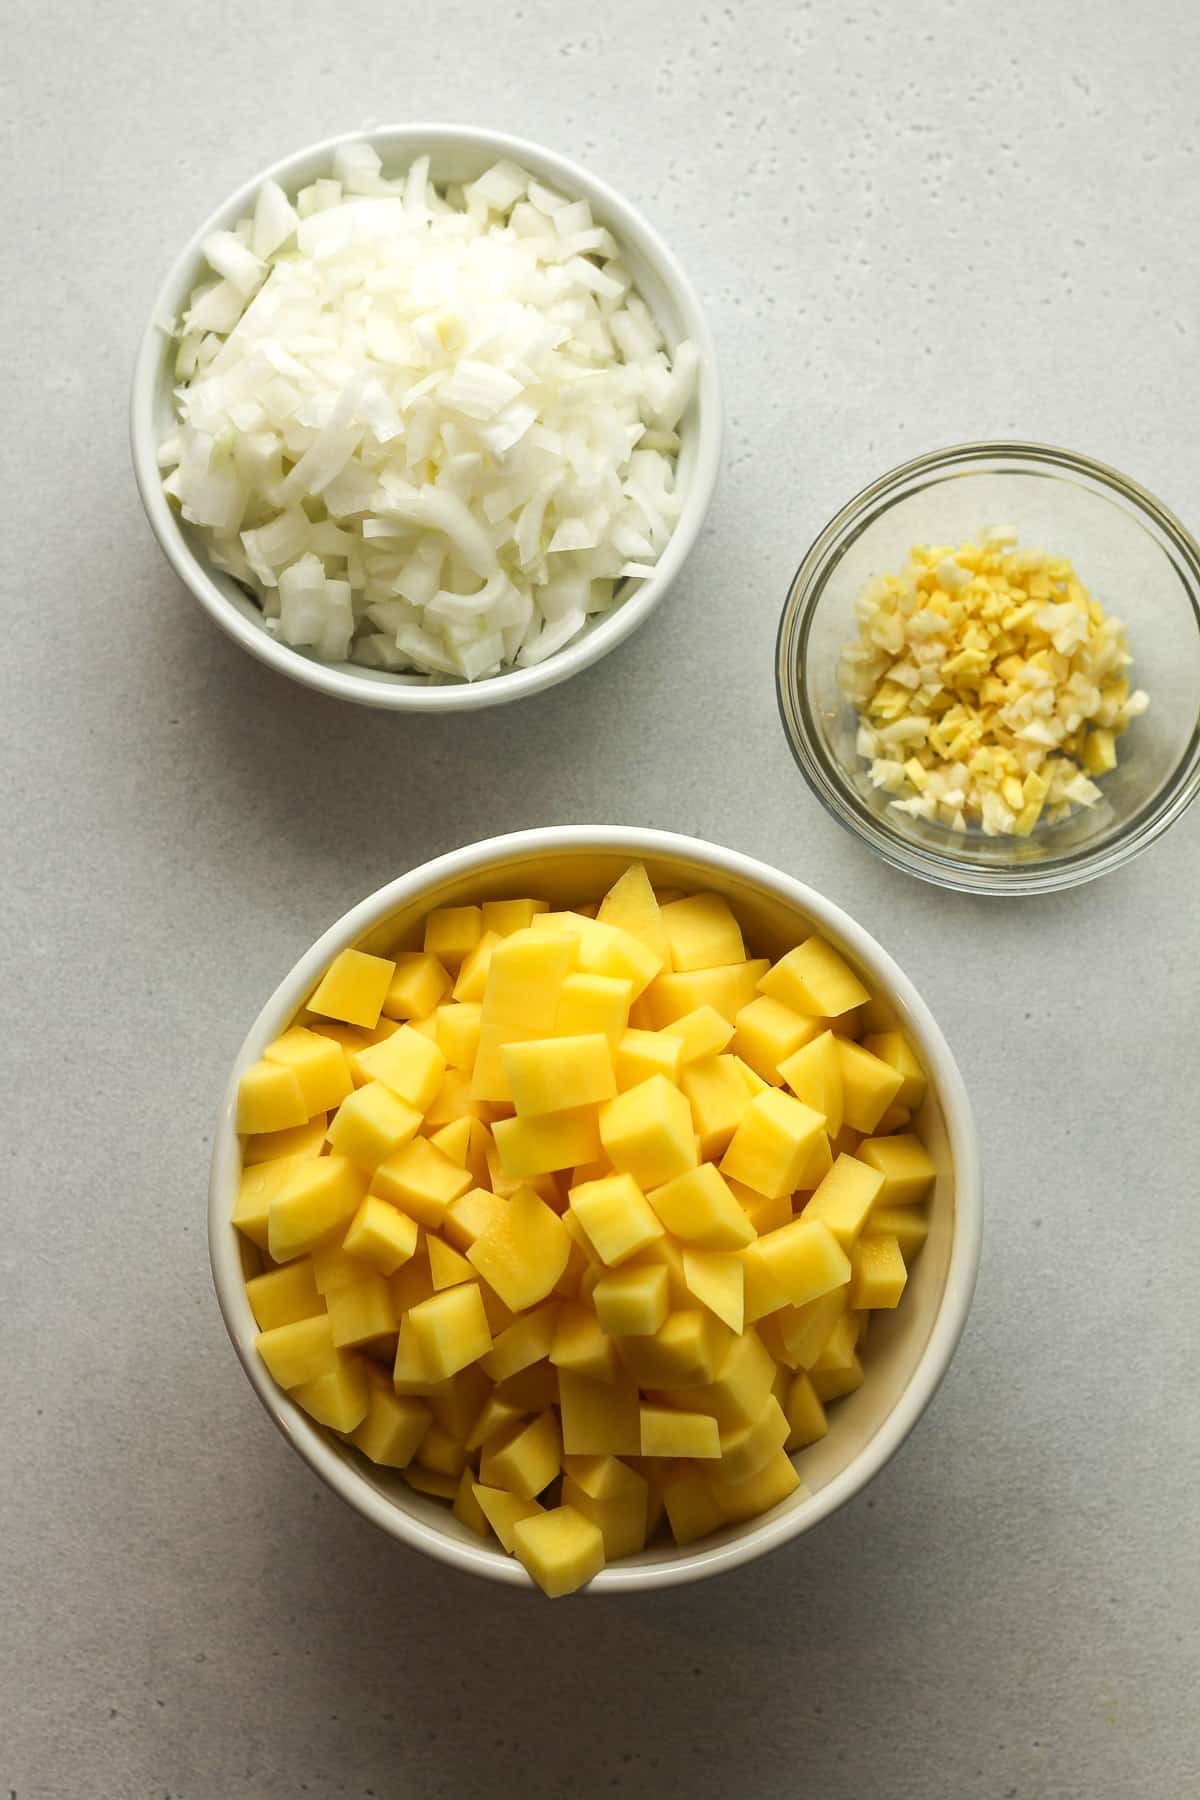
(911, 226)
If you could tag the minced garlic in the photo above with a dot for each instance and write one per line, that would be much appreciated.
(990, 686)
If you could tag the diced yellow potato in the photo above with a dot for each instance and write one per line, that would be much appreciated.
(702, 933)
(527, 1340)
(615, 1216)
(820, 1160)
(555, 1141)
(718, 1098)
(805, 1414)
(525, 977)
(472, 976)
(894, 1119)
(631, 1301)
(452, 932)
(522, 1252)
(270, 1098)
(319, 1063)
(806, 1329)
(869, 1085)
(617, 1503)
(319, 1197)
(350, 1040)
(495, 1417)
(685, 1352)
(768, 1032)
(739, 1387)
(421, 1180)
(691, 1510)
(458, 1402)
(1099, 752)
(419, 984)
(631, 906)
(441, 1452)
(835, 1384)
(647, 1132)
(606, 950)
(879, 1273)
(361, 1310)
(814, 979)
(599, 1418)
(746, 1449)
(701, 1034)
(591, 1003)
(737, 1501)
(906, 1167)
(582, 1345)
(257, 1187)
(753, 1080)
(641, 1054)
(412, 1282)
(446, 1266)
(699, 1208)
(392, 1428)
(334, 1266)
(840, 1348)
(489, 1077)
(561, 1550)
(715, 1278)
(893, 1047)
(668, 1432)
(411, 1374)
(669, 1255)
(526, 1460)
(454, 1141)
(458, 1027)
(764, 1211)
(451, 1329)
(814, 1074)
(505, 917)
(503, 1511)
(532, 1390)
(453, 1100)
(469, 1216)
(353, 988)
(371, 1124)
(426, 1028)
(548, 1075)
(339, 1398)
(299, 1352)
(467, 1509)
(432, 1482)
(799, 1262)
(727, 990)
(845, 1197)
(907, 1224)
(274, 1146)
(408, 1064)
(772, 1143)
(284, 1295)
(381, 1235)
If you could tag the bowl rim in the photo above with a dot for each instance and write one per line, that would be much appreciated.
(630, 226)
(827, 780)
(758, 1537)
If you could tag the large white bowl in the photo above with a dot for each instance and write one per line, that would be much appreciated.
(457, 153)
(908, 1351)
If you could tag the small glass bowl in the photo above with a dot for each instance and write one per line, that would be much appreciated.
(1131, 553)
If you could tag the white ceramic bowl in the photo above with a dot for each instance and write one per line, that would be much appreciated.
(909, 1350)
(457, 153)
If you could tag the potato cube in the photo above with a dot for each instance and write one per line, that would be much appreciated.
(718, 1097)
(334, 1266)
(432, 1482)
(526, 1460)
(685, 1352)
(454, 1139)
(527, 1340)
(451, 1329)
(805, 1414)
(772, 1143)
(599, 1418)
(299, 1352)
(273, 1146)
(522, 1252)
(411, 1373)
(392, 1428)
(906, 1224)
(746, 1449)
(894, 1048)
(361, 1310)
(284, 1295)
(319, 1064)
(806, 1329)
(739, 1387)
(715, 1278)
(525, 977)
(691, 1510)
(701, 1034)
(821, 1160)
(606, 950)
(641, 1054)
(548, 1075)
(700, 1209)
(768, 1032)
(338, 1399)
(442, 1453)
(505, 917)
(632, 1301)
(845, 1197)
(319, 1197)
(446, 1266)
(838, 1371)
(561, 1550)
(737, 1501)
(496, 1417)
(906, 1167)
(764, 1211)
(418, 984)
(647, 1132)
(555, 1141)
(869, 1086)
(631, 906)
(371, 1124)
(813, 978)
(503, 1511)
(622, 1519)
(270, 1098)
(814, 1074)
(615, 1216)
(457, 1403)
(467, 1509)
(412, 1282)
(471, 984)
(582, 1345)
(879, 1273)
(591, 1003)
(799, 1262)
(257, 1187)
(666, 1432)
(421, 1180)
(452, 932)
(408, 1064)
(350, 1040)
(727, 990)
(532, 1390)
(469, 1216)
(458, 1027)
(702, 933)
(353, 988)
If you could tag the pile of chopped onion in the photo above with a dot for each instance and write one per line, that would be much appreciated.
(430, 431)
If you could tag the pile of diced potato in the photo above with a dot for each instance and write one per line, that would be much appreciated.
(578, 1218)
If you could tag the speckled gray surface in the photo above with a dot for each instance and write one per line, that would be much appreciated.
(912, 225)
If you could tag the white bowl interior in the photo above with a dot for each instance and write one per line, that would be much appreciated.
(906, 1351)
(456, 155)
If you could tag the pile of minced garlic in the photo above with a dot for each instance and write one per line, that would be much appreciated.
(990, 686)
